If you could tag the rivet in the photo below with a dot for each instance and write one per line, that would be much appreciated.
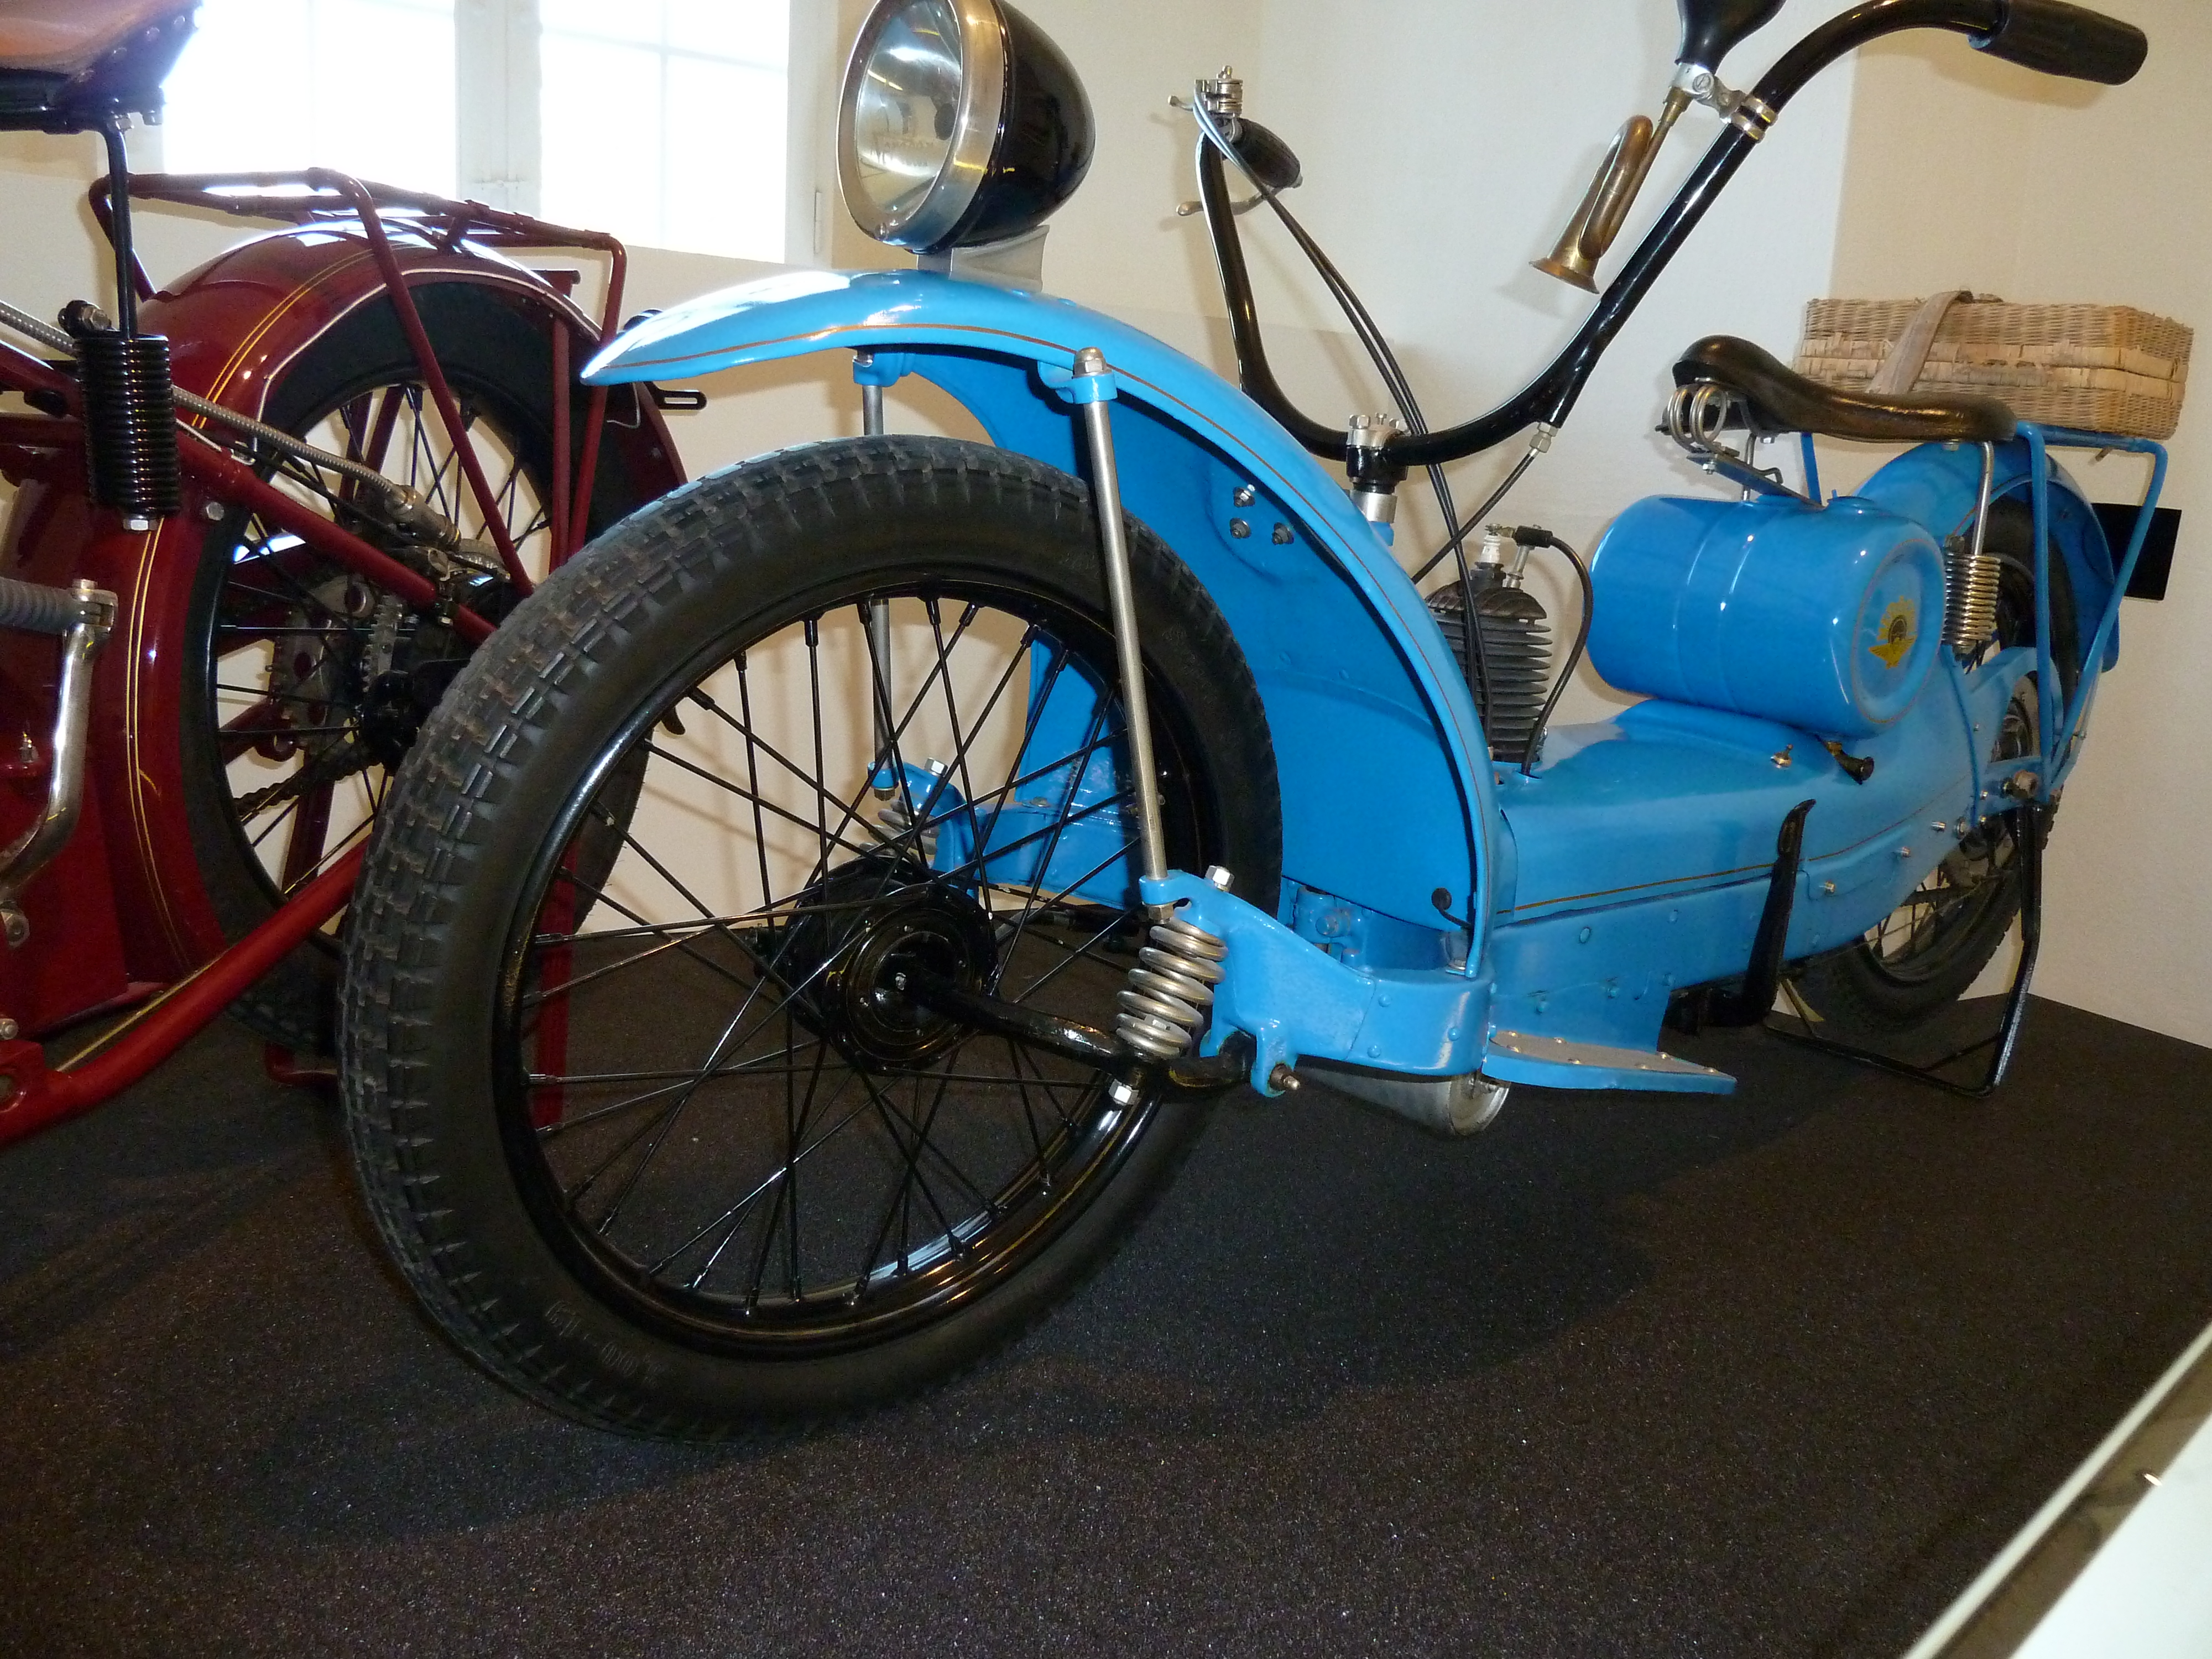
(1582, 938)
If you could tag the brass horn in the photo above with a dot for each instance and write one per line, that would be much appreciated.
(1611, 193)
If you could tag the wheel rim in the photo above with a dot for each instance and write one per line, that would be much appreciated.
(318, 680)
(787, 1156)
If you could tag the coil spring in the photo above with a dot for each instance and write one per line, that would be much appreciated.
(1163, 1006)
(130, 423)
(1970, 596)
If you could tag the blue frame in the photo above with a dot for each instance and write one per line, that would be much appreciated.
(1387, 785)
(1635, 859)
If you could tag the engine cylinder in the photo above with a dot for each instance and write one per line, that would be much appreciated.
(1513, 671)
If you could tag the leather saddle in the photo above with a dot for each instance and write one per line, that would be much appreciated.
(1779, 399)
(66, 66)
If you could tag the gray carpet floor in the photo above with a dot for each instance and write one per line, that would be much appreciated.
(1630, 1375)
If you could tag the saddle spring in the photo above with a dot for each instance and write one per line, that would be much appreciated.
(1164, 1006)
(1970, 597)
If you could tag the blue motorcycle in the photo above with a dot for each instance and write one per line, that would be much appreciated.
(810, 932)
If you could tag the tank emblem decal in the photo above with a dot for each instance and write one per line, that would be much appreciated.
(1895, 634)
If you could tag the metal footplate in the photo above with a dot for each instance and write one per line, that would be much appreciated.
(1558, 1063)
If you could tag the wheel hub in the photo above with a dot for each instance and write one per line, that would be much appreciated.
(858, 933)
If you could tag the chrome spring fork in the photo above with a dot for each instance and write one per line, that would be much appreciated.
(1164, 1008)
(1170, 990)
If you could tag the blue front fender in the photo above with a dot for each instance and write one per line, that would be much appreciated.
(1386, 786)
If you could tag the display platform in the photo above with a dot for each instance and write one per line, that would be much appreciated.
(1774, 1374)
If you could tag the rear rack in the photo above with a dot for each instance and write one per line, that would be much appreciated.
(321, 195)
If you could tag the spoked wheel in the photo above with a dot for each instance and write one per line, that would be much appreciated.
(1925, 954)
(307, 684)
(643, 1082)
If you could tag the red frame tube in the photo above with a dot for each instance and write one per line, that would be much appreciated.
(39, 1097)
(238, 483)
(32, 1096)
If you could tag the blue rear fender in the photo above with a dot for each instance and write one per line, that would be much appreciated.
(1386, 786)
(1938, 486)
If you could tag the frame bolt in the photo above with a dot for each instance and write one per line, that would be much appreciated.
(1245, 494)
(9, 1029)
(1284, 1078)
(1218, 876)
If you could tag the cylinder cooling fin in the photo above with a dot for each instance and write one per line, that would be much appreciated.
(1511, 674)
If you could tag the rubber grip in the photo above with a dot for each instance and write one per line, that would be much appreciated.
(2059, 38)
(37, 610)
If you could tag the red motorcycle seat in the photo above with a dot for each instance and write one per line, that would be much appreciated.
(61, 37)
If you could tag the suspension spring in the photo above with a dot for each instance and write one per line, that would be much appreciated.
(1164, 1006)
(130, 423)
(1970, 596)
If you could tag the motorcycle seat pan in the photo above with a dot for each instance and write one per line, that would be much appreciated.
(61, 37)
(1783, 400)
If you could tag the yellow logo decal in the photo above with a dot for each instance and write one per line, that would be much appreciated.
(1894, 637)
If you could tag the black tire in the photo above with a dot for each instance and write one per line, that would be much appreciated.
(1928, 951)
(606, 1228)
(256, 723)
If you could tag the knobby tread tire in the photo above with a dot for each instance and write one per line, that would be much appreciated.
(581, 626)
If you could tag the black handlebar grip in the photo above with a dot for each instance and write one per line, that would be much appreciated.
(38, 610)
(2059, 38)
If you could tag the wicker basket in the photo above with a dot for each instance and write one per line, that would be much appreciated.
(2096, 368)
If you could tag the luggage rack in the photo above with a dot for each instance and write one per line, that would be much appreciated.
(385, 214)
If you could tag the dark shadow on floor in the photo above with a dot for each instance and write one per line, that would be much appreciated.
(1773, 1373)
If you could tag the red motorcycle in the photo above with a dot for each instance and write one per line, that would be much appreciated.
(267, 511)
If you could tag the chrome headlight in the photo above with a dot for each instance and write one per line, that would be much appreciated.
(960, 125)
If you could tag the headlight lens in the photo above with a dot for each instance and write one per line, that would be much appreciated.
(961, 124)
(906, 106)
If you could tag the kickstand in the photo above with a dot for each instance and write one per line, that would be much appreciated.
(2031, 820)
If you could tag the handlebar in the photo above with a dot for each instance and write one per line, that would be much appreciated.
(2056, 38)
(2048, 35)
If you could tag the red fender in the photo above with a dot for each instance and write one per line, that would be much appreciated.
(122, 905)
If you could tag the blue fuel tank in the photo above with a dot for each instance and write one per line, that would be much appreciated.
(1823, 618)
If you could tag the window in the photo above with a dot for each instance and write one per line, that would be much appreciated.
(364, 86)
(664, 121)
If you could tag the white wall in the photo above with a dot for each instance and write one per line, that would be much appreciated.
(1968, 173)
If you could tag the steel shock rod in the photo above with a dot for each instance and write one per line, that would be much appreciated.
(1093, 388)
